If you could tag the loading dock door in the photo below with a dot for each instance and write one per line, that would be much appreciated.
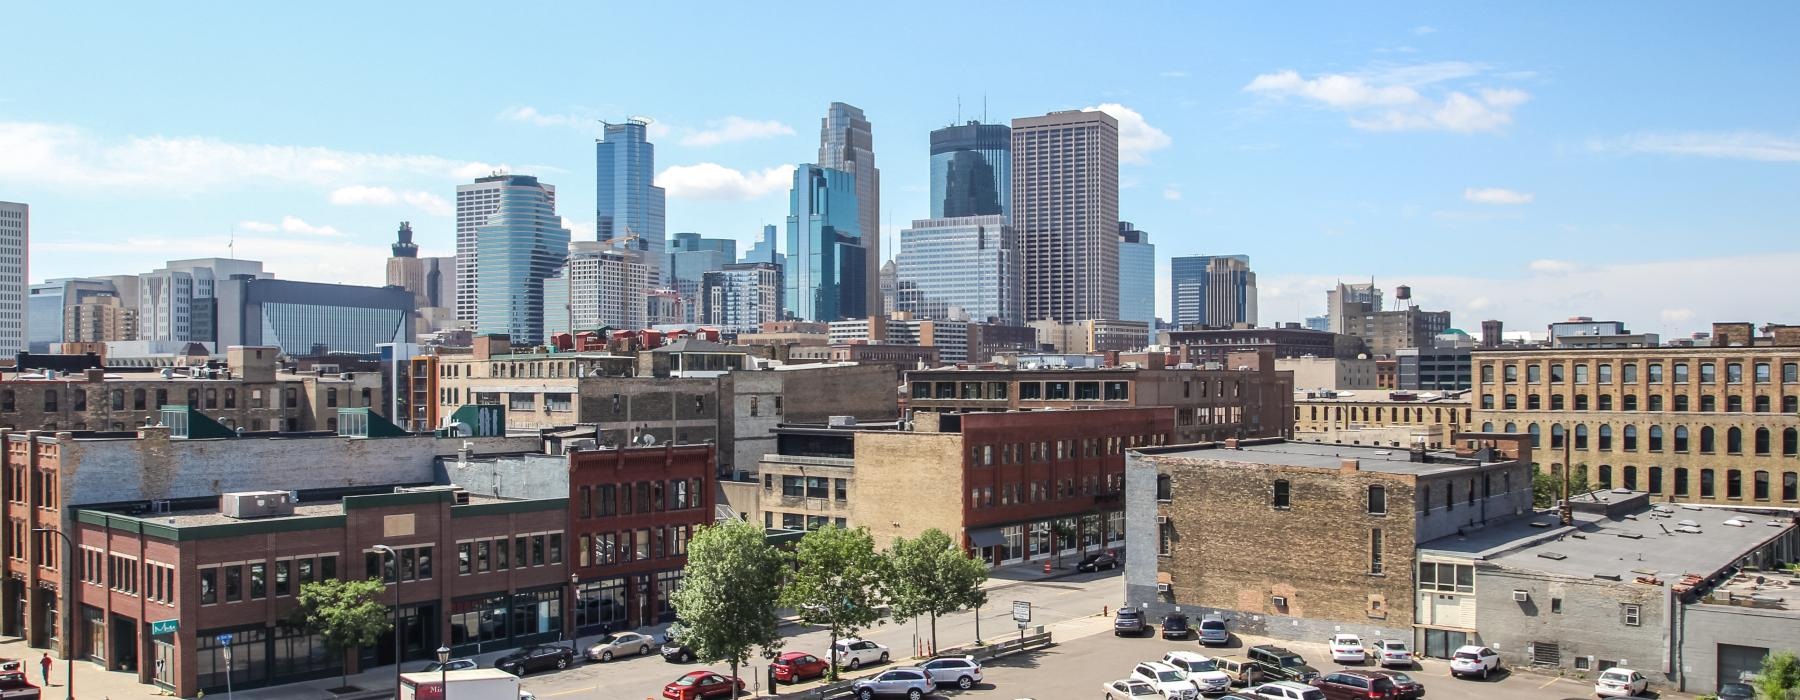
(1734, 661)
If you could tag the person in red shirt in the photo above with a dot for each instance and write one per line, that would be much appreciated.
(45, 663)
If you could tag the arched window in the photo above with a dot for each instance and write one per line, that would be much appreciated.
(1488, 427)
(1656, 437)
(1533, 402)
(1536, 434)
(1681, 404)
(212, 398)
(1512, 427)
(1762, 404)
(162, 398)
(1629, 403)
(1512, 402)
(1581, 437)
(1581, 402)
(1790, 442)
(231, 398)
(1706, 439)
(1631, 434)
(1734, 483)
(1761, 441)
(1709, 487)
(137, 399)
(1734, 440)
(1656, 402)
(1556, 436)
(1681, 481)
(1656, 474)
(1790, 404)
(1734, 404)
(1605, 402)
(1681, 438)
(1556, 402)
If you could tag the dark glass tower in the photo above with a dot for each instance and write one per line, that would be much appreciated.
(971, 170)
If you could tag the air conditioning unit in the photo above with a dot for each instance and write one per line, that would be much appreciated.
(1521, 596)
(1165, 588)
(1162, 519)
(1279, 601)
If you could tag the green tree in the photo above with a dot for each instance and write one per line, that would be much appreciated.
(1061, 532)
(346, 614)
(729, 590)
(1779, 677)
(1546, 488)
(835, 582)
(931, 576)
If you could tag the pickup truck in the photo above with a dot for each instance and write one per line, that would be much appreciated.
(14, 686)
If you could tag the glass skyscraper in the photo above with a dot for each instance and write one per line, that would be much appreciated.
(1137, 275)
(967, 265)
(847, 143)
(518, 242)
(1212, 290)
(826, 274)
(627, 201)
(971, 170)
(310, 318)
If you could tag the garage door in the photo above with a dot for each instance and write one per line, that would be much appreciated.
(1736, 660)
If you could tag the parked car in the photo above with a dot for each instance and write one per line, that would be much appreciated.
(1474, 661)
(536, 657)
(1620, 683)
(796, 666)
(451, 665)
(1242, 671)
(1355, 685)
(909, 681)
(1128, 689)
(15, 686)
(672, 650)
(1282, 665)
(1169, 682)
(854, 653)
(1348, 649)
(1736, 691)
(1288, 690)
(964, 671)
(526, 695)
(1405, 687)
(695, 685)
(1129, 621)
(1175, 626)
(620, 644)
(1393, 652)
(1096, 562)
(1213, 630)
(1203, 672)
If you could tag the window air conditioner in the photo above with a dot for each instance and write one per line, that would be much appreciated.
(1521, 596)
(1279, 601)
(1165, 588)
(1162, 519)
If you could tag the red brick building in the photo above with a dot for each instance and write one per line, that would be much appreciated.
(631, 514)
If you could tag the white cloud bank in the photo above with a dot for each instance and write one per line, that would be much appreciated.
(1497, 195)
(733, 129)
(1401, 98)
(1737, 145)
(711, 181)
(427, 202)
(1137, 138)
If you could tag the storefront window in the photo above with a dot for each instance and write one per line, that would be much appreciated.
(600, 604)
(538, 612)
(248, 664)
(478, 620)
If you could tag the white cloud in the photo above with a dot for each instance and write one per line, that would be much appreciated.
(531, 115)
(63, 155)
(290, 224)
(258, 226)
(1172, 192)
(1395, 98)
(733, 129)
(1739, 145)
(1478, 303)
(1137, 138)
(717, 182)
(470, 171)
(1424, 29)
(366, 195)
(1497, 195)
(1677, 315)
(1549, 266)
(578, 230)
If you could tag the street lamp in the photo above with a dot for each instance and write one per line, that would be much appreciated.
(72, 589)
(443, 654)
(389, 551)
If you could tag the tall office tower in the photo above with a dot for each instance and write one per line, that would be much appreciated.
(890, 283)
(740, 298)
(179, 302)
(627, 201)
(826, 277)
(1065, 210)
(764, 250)
(964, 268)
(597, 286)
(847, 143)
(431, 281)
(971, 170)
(15, 261)
(690, 257)
(1212, 290)
(1349, 299)
(1137, 275)
(514, 240)
(73, 311)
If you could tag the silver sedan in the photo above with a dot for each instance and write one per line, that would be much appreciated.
(620, 644)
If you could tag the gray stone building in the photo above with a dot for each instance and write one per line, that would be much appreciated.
(757, 401)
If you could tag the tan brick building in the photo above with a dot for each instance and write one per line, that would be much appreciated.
(1298, 540)
(1713, 424)
(1380, 418)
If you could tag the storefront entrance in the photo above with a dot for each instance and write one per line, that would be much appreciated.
(418, 627)
(1440, 644)
(124, 644)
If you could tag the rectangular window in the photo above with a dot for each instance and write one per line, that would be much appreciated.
(282, 570)
(258, 582)
(481, 556)
(209, 586)
(1630, 614)
(463, 558)
(234, 584)
(1165, 538)
(1282, 497)
(1375, 565)
(1377, 500)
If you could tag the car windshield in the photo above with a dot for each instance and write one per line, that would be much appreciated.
(1168, 676)
(1290, 661)
(1736, 689)
(1394, 646)
(1349, 641)
(1128, 612)
(608, 639)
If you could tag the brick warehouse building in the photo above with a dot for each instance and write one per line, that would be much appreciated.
(496, 567)
(1222, 516)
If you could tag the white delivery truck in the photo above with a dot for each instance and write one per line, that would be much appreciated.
(469, 684)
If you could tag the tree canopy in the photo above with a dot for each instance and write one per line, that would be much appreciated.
(729, 591)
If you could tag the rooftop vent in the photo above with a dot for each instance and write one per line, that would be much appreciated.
(1540, 524)
(1689, 529)
(1632, 535)
(1690, 506)
(1688, 523)
(1553, 556)
(1734, 522)
(256, 504)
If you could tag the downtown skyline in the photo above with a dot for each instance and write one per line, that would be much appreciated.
(1516, 165)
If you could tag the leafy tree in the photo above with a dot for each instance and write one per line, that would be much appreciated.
(1061, 532)
(1546, 488)
(1779, 677)
(835, 582)
(346, 614)
(931, 576)
(728, 594)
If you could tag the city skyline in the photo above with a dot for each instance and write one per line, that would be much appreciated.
(1520, 128)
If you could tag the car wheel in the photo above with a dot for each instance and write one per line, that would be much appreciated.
(884, 657)
(914, 694)
(562, 663)
(606, 655)
(645, 649)
(865, 693)
(687, 657)
(1484, 673)
(965, 682)
(856, 663)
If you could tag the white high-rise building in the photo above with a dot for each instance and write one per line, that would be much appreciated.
(15, 255)
(1065, 210)
(598, 286)
(178, 302)
(740, 298)
(963, 268)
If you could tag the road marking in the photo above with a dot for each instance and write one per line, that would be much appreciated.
(1550, 683)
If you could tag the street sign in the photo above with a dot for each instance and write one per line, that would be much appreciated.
(164, 626)
(1021, 611)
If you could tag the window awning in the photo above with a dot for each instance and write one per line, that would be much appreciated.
(986, 537)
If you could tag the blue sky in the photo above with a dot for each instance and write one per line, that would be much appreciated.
(1518, 161)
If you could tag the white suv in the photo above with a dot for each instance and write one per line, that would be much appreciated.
(1169, 682)
(856, 653)
(961, 670)
(1474, 661)
(1288, 690)
(1203, 672)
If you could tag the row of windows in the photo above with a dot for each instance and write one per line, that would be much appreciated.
(406, 564)
(1045, 490)
(500, 554)
(1604, 402)
(1052, 391)
(290, 574)
(1762, 486)
(1399, 414)
(606, 548)
(44, 491)
(605, 500)
(1761, 372)
(1046, 450)
(1761, 439)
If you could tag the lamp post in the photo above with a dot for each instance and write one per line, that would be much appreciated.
(69, 601)
(389, 552)
(443, 654)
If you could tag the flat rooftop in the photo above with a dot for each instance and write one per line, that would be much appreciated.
(1388, 460)
(1649, 541)
(199, 517)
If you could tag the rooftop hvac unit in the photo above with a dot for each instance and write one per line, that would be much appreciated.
(1521, 596)
(256, 504)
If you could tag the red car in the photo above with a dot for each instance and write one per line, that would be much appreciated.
(700, 684)
(796, 666)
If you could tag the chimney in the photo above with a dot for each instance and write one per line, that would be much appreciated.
(1349, 465)
(1231, 444)
(94, 375)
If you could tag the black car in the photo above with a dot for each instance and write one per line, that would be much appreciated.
(1175, 626)
(1736, 691)
(673, 651)
(536, 657)
(1096, 562)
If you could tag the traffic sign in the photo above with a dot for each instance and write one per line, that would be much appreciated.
(1021, 611)
(164, 626)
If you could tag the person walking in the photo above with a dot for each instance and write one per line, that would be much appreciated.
(45, 664)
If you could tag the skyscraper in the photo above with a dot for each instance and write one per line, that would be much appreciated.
(15, 261)
(1137, 275)
(597, 286)
(179, 301)
(1065, 210)
(513, 240)
(847, 143)
(741, 297)
(971, 170)
(965, 267)
(627, 201)
(432, 282)
(1346, 299)
(1212, 290)
(826, 277)
(690, 257)
(764, 250)
(74, 310)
